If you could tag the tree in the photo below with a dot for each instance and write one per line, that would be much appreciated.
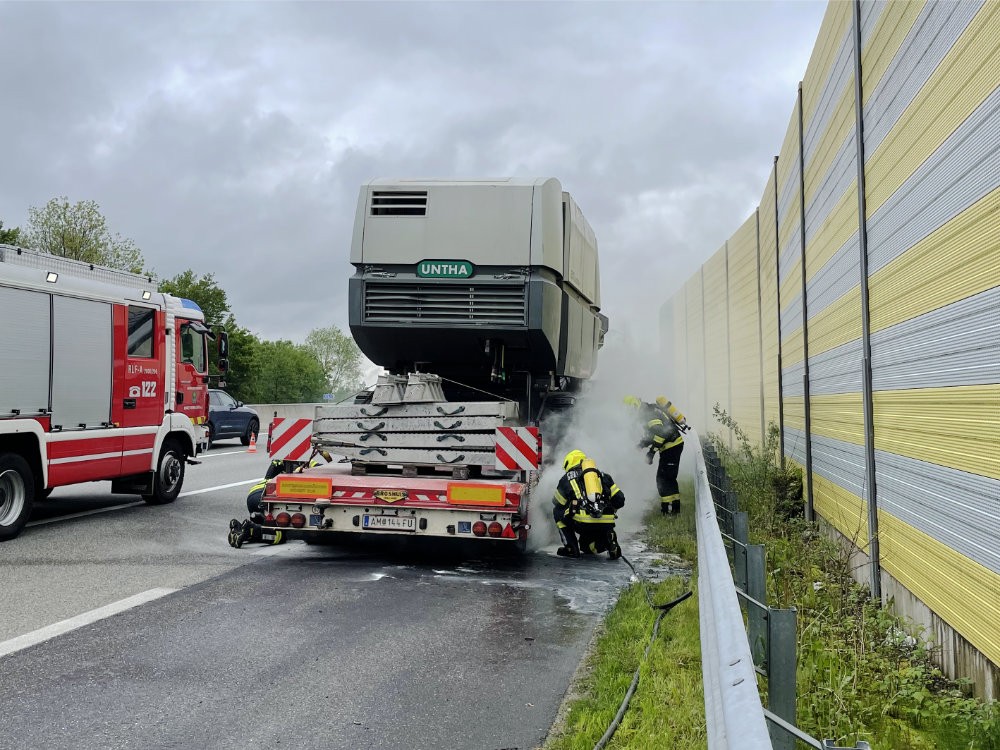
(289, 373)
(9, 236)
(204, 290)
(79, 231)
(340, 358)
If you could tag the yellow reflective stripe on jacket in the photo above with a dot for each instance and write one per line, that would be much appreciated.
(615, 489)
(559, 498)
(583, 518)
(661, 448)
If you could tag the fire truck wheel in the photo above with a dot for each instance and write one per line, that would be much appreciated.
(169, 475)
(252, 430)
(17, 491)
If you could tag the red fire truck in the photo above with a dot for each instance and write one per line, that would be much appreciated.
(102, 378)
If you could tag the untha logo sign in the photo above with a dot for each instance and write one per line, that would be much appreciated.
(445, 269)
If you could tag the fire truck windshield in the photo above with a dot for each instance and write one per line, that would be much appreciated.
(192, 349)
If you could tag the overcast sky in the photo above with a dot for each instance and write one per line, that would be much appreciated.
(232, 138)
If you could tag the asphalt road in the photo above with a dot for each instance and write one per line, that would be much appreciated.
(362, 646)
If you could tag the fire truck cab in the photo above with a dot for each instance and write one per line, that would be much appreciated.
(103, 378)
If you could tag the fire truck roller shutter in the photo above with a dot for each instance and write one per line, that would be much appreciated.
(24, 342)
(81, 368)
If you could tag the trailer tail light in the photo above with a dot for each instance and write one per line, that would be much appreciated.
(479, 528)
(298, 520)
(495, 530)
(269, 518)
(282, 519)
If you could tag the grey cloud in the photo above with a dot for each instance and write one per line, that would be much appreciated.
(232, 137)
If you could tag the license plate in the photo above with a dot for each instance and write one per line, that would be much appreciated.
(315, 520)
(391, 523)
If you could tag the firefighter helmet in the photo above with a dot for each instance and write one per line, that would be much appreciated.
(632, 401)
(573, 458)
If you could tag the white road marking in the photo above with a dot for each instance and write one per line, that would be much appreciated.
(65, 626)
(81, 514)
(219, 487)
(95, 511)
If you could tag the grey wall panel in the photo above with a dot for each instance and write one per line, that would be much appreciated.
(791, 251)
(840, 462)
(959, 172)
(793, 379)
(791, 316)
(842, 173)
(959, 509)
(795, 445)
(931, 38)
(871, 11)
(839, 276)
(837, 370)
(787, 191)
(81, 382)
(839, 78)
(958, 344)
(24, 351)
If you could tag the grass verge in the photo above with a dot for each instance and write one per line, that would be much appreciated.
(667, 709)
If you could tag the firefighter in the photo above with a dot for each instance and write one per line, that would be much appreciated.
(583, 508)
(662, 435)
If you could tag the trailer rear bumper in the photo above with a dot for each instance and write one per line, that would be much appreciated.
(309, 519)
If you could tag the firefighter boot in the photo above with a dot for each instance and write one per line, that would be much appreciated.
(570, 546)
(614, 550)
(675, 507)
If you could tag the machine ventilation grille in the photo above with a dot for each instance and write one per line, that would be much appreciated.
(399, 203)
(437, 302)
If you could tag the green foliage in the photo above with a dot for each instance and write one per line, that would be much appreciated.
(667, 709)
(204, 290)
(9, 236)
(288, 373)
(245, 362)
(79, 231)
(769, 493)
(340, 358)
(863, 674)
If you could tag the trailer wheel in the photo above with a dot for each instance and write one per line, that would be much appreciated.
(169, 475)
(17, 493)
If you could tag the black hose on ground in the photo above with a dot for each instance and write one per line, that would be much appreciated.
(662, 610)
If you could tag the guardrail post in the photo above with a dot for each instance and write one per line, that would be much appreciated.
(781, 666)
(756, 617)
(741, 535)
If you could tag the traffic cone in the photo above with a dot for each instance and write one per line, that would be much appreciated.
(253, 443)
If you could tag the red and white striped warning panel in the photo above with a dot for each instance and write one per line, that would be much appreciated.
(290, 439)
(518, 448)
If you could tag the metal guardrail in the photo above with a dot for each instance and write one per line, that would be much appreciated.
(733, 711)
(731, 659)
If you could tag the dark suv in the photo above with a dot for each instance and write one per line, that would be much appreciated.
(229, 418)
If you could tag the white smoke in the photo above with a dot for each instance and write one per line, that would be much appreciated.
(606, 430)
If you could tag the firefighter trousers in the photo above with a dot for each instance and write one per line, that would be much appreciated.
(666, 479)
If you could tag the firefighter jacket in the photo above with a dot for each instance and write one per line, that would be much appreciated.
(570, 503)
(659, 430)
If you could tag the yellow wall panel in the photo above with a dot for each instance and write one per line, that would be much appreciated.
(839, 323)
(836, 22)
(838, 129)
(795, 412)
(839, 416)
(716, 337)
(842, 509)
(957, 427)
(788, 156)
(887, 37)
(791, 287)
(836, 229)
(962, 592)
(968, 73)
(694, 363)
(769, 300)
(957, 260)
(792, 351)
(744, 321)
